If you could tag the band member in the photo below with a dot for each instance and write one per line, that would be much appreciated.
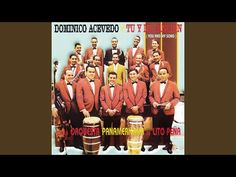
(78, 53)
(118, 68)
(99, 69)
(164, 95)
(87, 93)
(66, 88)
(133, 51)
(111, 99)
(77, 69)
(155, 47)
(94, 50)
(135, 93)
(158, 63)
(143, 72)
(78, 49)
(114, 49)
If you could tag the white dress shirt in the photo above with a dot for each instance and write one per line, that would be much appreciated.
(70, 89)
(162, 88)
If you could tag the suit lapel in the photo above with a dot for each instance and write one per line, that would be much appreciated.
(86, 80)
(158, 98)
(167, 84)
(66, 89)
(96, 86)
(73, 89)
(136, 51)
(132, 90)
(109, 92)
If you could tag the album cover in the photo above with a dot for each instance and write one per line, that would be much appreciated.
(117, 88)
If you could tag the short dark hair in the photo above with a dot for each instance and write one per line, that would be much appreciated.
(156, 52)
(156, 41)
(90, 66)
(114, 38)
(77, 43)
(94, 38)
(72, 55)
(138, 37)
(115, 54)
(112, 73)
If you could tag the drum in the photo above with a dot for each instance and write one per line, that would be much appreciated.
(135, 136)
(92, 135)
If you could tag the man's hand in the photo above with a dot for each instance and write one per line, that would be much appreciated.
(135, 109)
(54, 112)
(86, 113)
(155, 104)
(168, 105)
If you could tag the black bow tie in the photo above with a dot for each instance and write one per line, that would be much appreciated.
(134, 82)
(73, 66)
(163, 82)
(69, 83)
(112, 86)
(96, 65)
(157, 62)
(137, 65)
(94, 48)
(114, 49)
(91, 81)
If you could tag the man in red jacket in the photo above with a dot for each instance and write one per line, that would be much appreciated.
(135, 93)
(164, 95)
(111, 99)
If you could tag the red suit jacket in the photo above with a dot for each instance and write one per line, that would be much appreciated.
(131, 58)
(69, 103)
(162, 64)
(137, 99)
(143, 72)
(89, 54)
(101, 77)
(115, 102)
(85, 96)
(170, 94)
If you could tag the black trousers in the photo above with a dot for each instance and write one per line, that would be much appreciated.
(161, 128)
(108, 121)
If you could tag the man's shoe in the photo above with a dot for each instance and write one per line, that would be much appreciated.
(152, 148)
(169, 148)
(105, 147)
(125, 148)
(165, 148)
(118, 148)
(143, 149)
(169, 151)
(61, 149)
(61, 146)
(79, 147)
